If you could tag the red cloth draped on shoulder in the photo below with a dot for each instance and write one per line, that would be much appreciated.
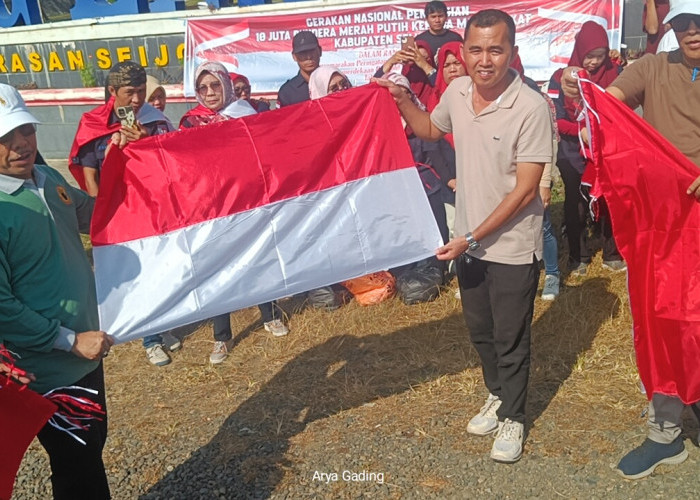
(592, 36)
(454, 48)
(200, 115)
(93, 125)
(420, 84)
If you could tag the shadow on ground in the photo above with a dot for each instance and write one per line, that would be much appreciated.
(248, 455)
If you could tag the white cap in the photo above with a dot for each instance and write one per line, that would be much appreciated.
(679, 7)
(13, 110)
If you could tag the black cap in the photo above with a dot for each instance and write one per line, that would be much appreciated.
(304, 40)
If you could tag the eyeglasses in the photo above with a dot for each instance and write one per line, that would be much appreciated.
(341, 85)
(240, 89)
(27, 130)
(682, 23)
(204, 89)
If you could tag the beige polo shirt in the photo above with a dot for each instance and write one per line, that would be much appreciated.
(662, 84)
(514, 129)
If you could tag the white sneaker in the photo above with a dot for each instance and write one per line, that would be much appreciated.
(219, 353)
(551, 287)
(486, 421)
(157, 356)
(276, 327)
(508, 445)
(171, 341)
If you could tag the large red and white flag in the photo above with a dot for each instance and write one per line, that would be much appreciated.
(644, 178)
(208, 220)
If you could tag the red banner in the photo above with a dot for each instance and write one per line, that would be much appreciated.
(360, 38)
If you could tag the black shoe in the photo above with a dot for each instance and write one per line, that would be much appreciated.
(642, 461)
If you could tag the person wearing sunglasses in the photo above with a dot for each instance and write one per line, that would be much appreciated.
(216, 98)
(667, 86)
(218, 101)
(242, 89)
(327, 80)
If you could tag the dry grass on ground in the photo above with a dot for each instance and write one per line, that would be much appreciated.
(402, 366)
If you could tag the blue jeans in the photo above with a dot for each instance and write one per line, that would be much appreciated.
(549, 254)
(152, 340)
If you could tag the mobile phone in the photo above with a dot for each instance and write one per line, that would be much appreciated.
(408, 42)
(126, 116)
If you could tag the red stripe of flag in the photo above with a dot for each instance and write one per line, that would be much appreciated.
(186, 177)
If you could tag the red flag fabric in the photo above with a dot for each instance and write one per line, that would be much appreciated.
(93, 125)
(208, 220)
(22, 415)
(644, 179)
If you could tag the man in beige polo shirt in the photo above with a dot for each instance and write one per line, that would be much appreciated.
(503, 138)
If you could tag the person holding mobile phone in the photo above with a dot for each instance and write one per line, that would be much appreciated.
(416, 64)
(126, 84)
(124, 118)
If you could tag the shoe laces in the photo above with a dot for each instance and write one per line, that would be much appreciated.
(509, 431)
(219, 346)
(551, 280)
(490, 407)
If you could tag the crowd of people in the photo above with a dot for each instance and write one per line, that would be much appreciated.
(475, 123)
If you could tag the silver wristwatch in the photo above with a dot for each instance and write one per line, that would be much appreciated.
(473, 244)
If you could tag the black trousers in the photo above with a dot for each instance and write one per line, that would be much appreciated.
(498, 303)
(576, 215)
(77, 470)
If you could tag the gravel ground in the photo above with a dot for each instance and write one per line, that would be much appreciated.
(395, 465)
(377, 416)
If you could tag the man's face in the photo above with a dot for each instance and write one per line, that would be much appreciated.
(488, 54)
(687, 29)
(308, 60)
(18, 151)
(436, 22)
(129, 96)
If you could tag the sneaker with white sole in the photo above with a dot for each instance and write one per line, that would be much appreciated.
(171, 341)
(642, 461)
(551, 287)
(508, 445)
(486, 421)
(219, 353)
(157, 356)
(276, 327)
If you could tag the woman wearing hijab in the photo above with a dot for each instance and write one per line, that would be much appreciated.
(591, 52)
(155, 93)
(217, 102)
(216, 98)
(327, 80)
(241, 87)
(450, 65)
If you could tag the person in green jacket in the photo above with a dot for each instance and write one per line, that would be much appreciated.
(48, 306)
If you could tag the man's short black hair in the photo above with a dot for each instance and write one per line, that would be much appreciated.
(490, 17)
(435, 6)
